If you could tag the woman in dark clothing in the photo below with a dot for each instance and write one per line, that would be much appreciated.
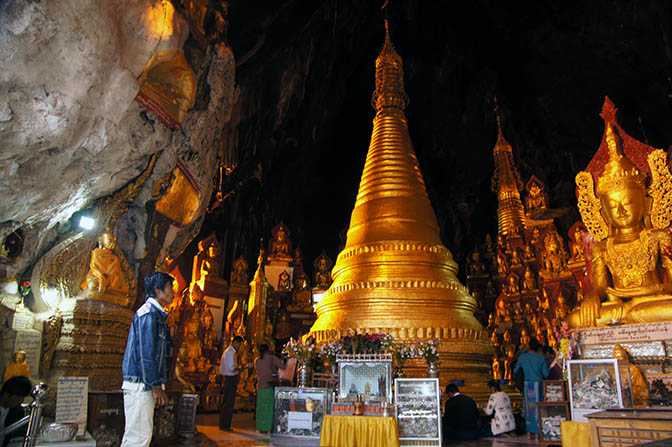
(535, 369)
(267, 366)
(554, 370)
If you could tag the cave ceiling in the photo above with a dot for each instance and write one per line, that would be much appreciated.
(305, 73)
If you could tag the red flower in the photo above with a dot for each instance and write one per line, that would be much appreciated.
(25, 284)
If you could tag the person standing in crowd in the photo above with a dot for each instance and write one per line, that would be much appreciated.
(460, 416)
(554, 370)
(499, 407)
(267, 366)
(12, 394)
(146, 361)
(535, 369)
(230, 370)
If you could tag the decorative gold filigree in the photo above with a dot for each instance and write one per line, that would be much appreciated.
(589, 206)
(660, 190)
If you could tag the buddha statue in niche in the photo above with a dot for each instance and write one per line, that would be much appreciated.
(209, 260)
(524, 339)
(625, 261)
(577, 245)
(322, 272)
(302, 297)
(239, 275)
(529, 281)
(105, 279)
(512, 287)
(528, 255)
(284, 281)
(496, 368)
(280, 246)
(18, 366)
(501, 264)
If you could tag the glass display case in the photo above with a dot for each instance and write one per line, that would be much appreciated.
(597, 385)
(366, 377)
(417, 404)
(299, 411)
(551, 415)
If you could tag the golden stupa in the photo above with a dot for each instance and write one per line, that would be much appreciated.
(394, 274)
(507, 185)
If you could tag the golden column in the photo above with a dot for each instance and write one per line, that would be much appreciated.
(507, 185)
(394, 274)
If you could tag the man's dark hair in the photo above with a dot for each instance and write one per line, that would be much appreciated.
(452, 388)
(17, 386)
(534, 344)
(237, 338)
(263, 349)
(549, 350)
(156, 280)
(494, 384)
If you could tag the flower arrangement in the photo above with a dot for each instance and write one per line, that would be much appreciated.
(366, 343)
(429, 350)
(403, 352)
(303, 352)
(329, 351)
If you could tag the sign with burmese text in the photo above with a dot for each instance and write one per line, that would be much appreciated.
(71, 401)
(628, 333)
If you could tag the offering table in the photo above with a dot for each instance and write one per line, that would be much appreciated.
(359, 431)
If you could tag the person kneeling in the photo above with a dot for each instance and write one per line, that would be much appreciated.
(499, 407)
(460, 416)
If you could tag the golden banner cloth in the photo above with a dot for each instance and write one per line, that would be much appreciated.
(575, 434)
(359, 431)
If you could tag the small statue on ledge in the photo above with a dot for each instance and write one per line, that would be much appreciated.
(529, 281)
(553, 257)
(577, 245)
(284, 281)
(512, 285)
(208, 261)
(105, 280)
(239, 275)
(528, 255)
(17, 367)
(322, 272)
(280, 245)
(475, 265)
(303, 297)
(535, 202)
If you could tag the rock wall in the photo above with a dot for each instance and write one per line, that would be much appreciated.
(70, 128)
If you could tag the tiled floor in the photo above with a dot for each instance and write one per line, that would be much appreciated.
(244, 435)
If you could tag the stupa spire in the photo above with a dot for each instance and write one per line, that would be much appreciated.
(394, 274)
(507, 185)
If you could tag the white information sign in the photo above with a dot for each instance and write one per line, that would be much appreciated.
(72, 401)
(299, 420)
(628, 333)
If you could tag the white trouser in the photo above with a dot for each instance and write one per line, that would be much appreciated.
(139, 414)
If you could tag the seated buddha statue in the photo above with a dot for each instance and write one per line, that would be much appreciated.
(529, 281)
(512, 287)
(496, 368)
(239, 275)
(209, 260)
(284, 281)
(280, 246)
(17, 367)
(528, 255)
(105, 279)
(474, 265)
(501, 264)
(625, 261)
(577, 245)
(322, 272)
(502, 311)
(302, 299)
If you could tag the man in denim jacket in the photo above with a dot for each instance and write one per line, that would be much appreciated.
(146, 360)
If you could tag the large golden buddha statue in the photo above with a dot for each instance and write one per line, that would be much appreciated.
(632, 243)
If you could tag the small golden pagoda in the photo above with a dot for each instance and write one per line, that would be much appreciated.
(394, 274)
(507, 185)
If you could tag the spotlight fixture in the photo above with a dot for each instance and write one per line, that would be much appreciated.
(86, 223)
